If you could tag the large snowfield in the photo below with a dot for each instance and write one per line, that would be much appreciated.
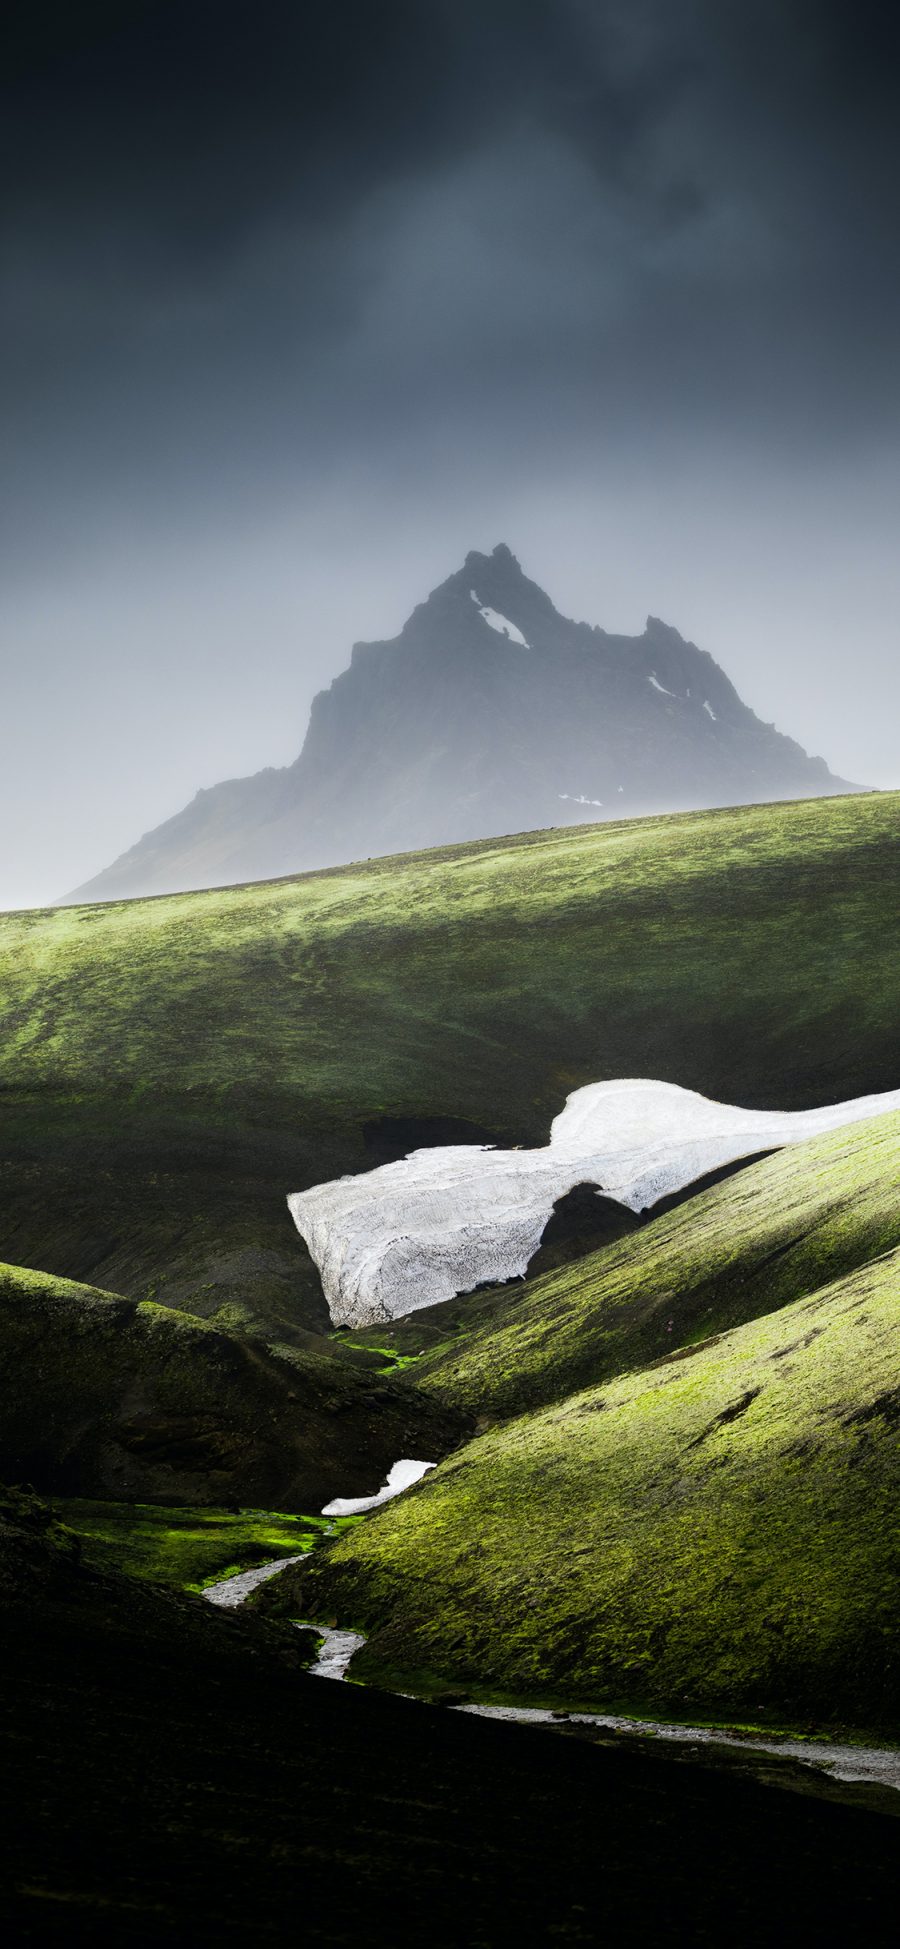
(445, 1220)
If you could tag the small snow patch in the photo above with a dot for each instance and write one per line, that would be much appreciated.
(709, 711)
(501, 624)
(402, 1476)
(654, 680)
(578, 798)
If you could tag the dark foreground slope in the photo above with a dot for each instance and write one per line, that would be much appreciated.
(770, 1234)
(489, 713)
(718, 1531)
(171, 1069)
(105, 1396)
(168, 1776)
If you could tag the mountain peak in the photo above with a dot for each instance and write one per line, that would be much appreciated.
(499, 569)
(491, 712)
(497, 583)
(502, 555)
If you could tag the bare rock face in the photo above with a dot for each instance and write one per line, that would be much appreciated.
(490, 713)
(443, 1221)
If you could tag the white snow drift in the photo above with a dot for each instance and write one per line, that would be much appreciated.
(445, 1220)
(402, 1476)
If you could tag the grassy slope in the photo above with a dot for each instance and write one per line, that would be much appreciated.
(718, 1532)
(111, 1397)
(185, 1548)
(171, 1068)
(776, 1231)
(167, 1774)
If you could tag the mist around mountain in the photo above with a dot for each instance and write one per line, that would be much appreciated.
(490, 713)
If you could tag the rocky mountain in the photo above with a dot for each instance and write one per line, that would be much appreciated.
(489, 713)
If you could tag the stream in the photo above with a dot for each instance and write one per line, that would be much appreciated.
(335, 1648)
(870, 1765)
(859, 1765)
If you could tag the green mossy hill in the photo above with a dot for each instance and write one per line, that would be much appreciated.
(172, 1068)
(168, 1774)
(719, 1533)
(767, 1236)
(103, 1396)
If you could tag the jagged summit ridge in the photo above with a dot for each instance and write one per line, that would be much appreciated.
(491, 712)
(493, 583)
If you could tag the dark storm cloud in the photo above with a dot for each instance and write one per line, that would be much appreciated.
(299, 301)
(198, 118)
(215, 212)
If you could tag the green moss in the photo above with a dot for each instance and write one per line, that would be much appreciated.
(186, 1548)
(392, 1361)
(778, 1230)
(171, 1068)
(719, 1532)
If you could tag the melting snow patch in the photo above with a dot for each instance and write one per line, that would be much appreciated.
(402, 1476)
(578, 798)
(501, 624)
(709, 711)
(444, 1220)
(654, 680)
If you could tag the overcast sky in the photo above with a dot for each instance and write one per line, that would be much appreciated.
(301, 302)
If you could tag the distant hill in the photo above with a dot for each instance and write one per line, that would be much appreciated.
(490, 713)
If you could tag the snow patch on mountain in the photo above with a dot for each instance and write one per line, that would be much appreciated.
(500, 623)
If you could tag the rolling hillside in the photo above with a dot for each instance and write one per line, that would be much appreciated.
(172, 1068)
(715, 1533)
(773, 1233)
(104, 1396)
(169, 1773)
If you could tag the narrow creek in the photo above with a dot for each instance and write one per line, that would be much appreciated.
(857, 1765)
(869, 1765)
(334, 1649)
